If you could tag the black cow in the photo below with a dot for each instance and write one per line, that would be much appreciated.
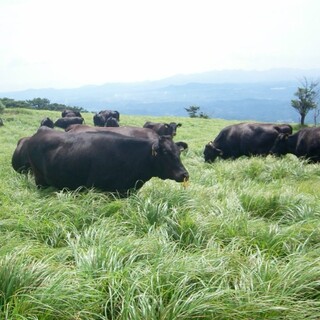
(129, 131)
(105, 160)
(20, 161)
(304, 144)
(67, 121)
(243, 139)
(100, 118)
(167, 129)
(281, 128)
(47, 122)
(112, 122)
(70, 113)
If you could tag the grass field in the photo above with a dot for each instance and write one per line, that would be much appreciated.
(240, 242)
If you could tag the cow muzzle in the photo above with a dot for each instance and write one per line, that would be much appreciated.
(183, 177)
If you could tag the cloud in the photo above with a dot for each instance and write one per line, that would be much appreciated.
(70, 43)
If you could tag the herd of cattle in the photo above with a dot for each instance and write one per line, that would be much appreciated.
(118, 158)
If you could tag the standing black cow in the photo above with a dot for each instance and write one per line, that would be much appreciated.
(105, 160)
(304, 144)
(20, 161)
(47, 122)
(68, 121)
(243, 139)
(100, 118)
(163, 129)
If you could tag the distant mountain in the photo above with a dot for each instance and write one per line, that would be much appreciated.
(233, 94)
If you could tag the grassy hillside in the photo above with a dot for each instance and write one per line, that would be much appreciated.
(240, 242)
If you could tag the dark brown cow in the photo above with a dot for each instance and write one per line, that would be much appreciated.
(304, 144)
(65, 122)
(70, 113)
(163, 129)
(129, 131)
(112, 122)
(243, 139)
(100, 118)
(105, 160)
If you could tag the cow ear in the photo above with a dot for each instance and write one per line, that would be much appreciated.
(283, 136)
(210, 144)
(179, 125)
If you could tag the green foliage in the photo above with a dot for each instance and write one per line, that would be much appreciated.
(307, 96)
(240, 242)
(194, 112)
(2, 107)
(38, 104)
(11, 103)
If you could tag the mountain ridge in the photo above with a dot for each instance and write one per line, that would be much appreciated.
(227, 94)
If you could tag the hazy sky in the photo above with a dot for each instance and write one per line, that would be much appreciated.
(70, 43)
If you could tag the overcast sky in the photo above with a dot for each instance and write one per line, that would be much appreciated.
(70, 43)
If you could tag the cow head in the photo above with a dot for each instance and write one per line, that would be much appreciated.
(173, 128)
(111, 122)
(47, 122)
(98, 120)
(211, 152)
(167, 158)
(182, 145)
(280, 146)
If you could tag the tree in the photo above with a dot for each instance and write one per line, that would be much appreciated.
(193, 112)
(39, 103)
(11, 103)
(307, 96)
(2, 107)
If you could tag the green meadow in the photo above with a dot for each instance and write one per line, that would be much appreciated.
(241, 241)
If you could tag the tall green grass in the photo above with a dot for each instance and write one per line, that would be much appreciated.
(240, 242)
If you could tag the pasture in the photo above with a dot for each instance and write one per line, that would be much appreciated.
(241, 241)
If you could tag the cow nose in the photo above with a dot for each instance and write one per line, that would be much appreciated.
(186, 176)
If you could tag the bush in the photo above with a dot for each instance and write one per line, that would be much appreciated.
(2, 107)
